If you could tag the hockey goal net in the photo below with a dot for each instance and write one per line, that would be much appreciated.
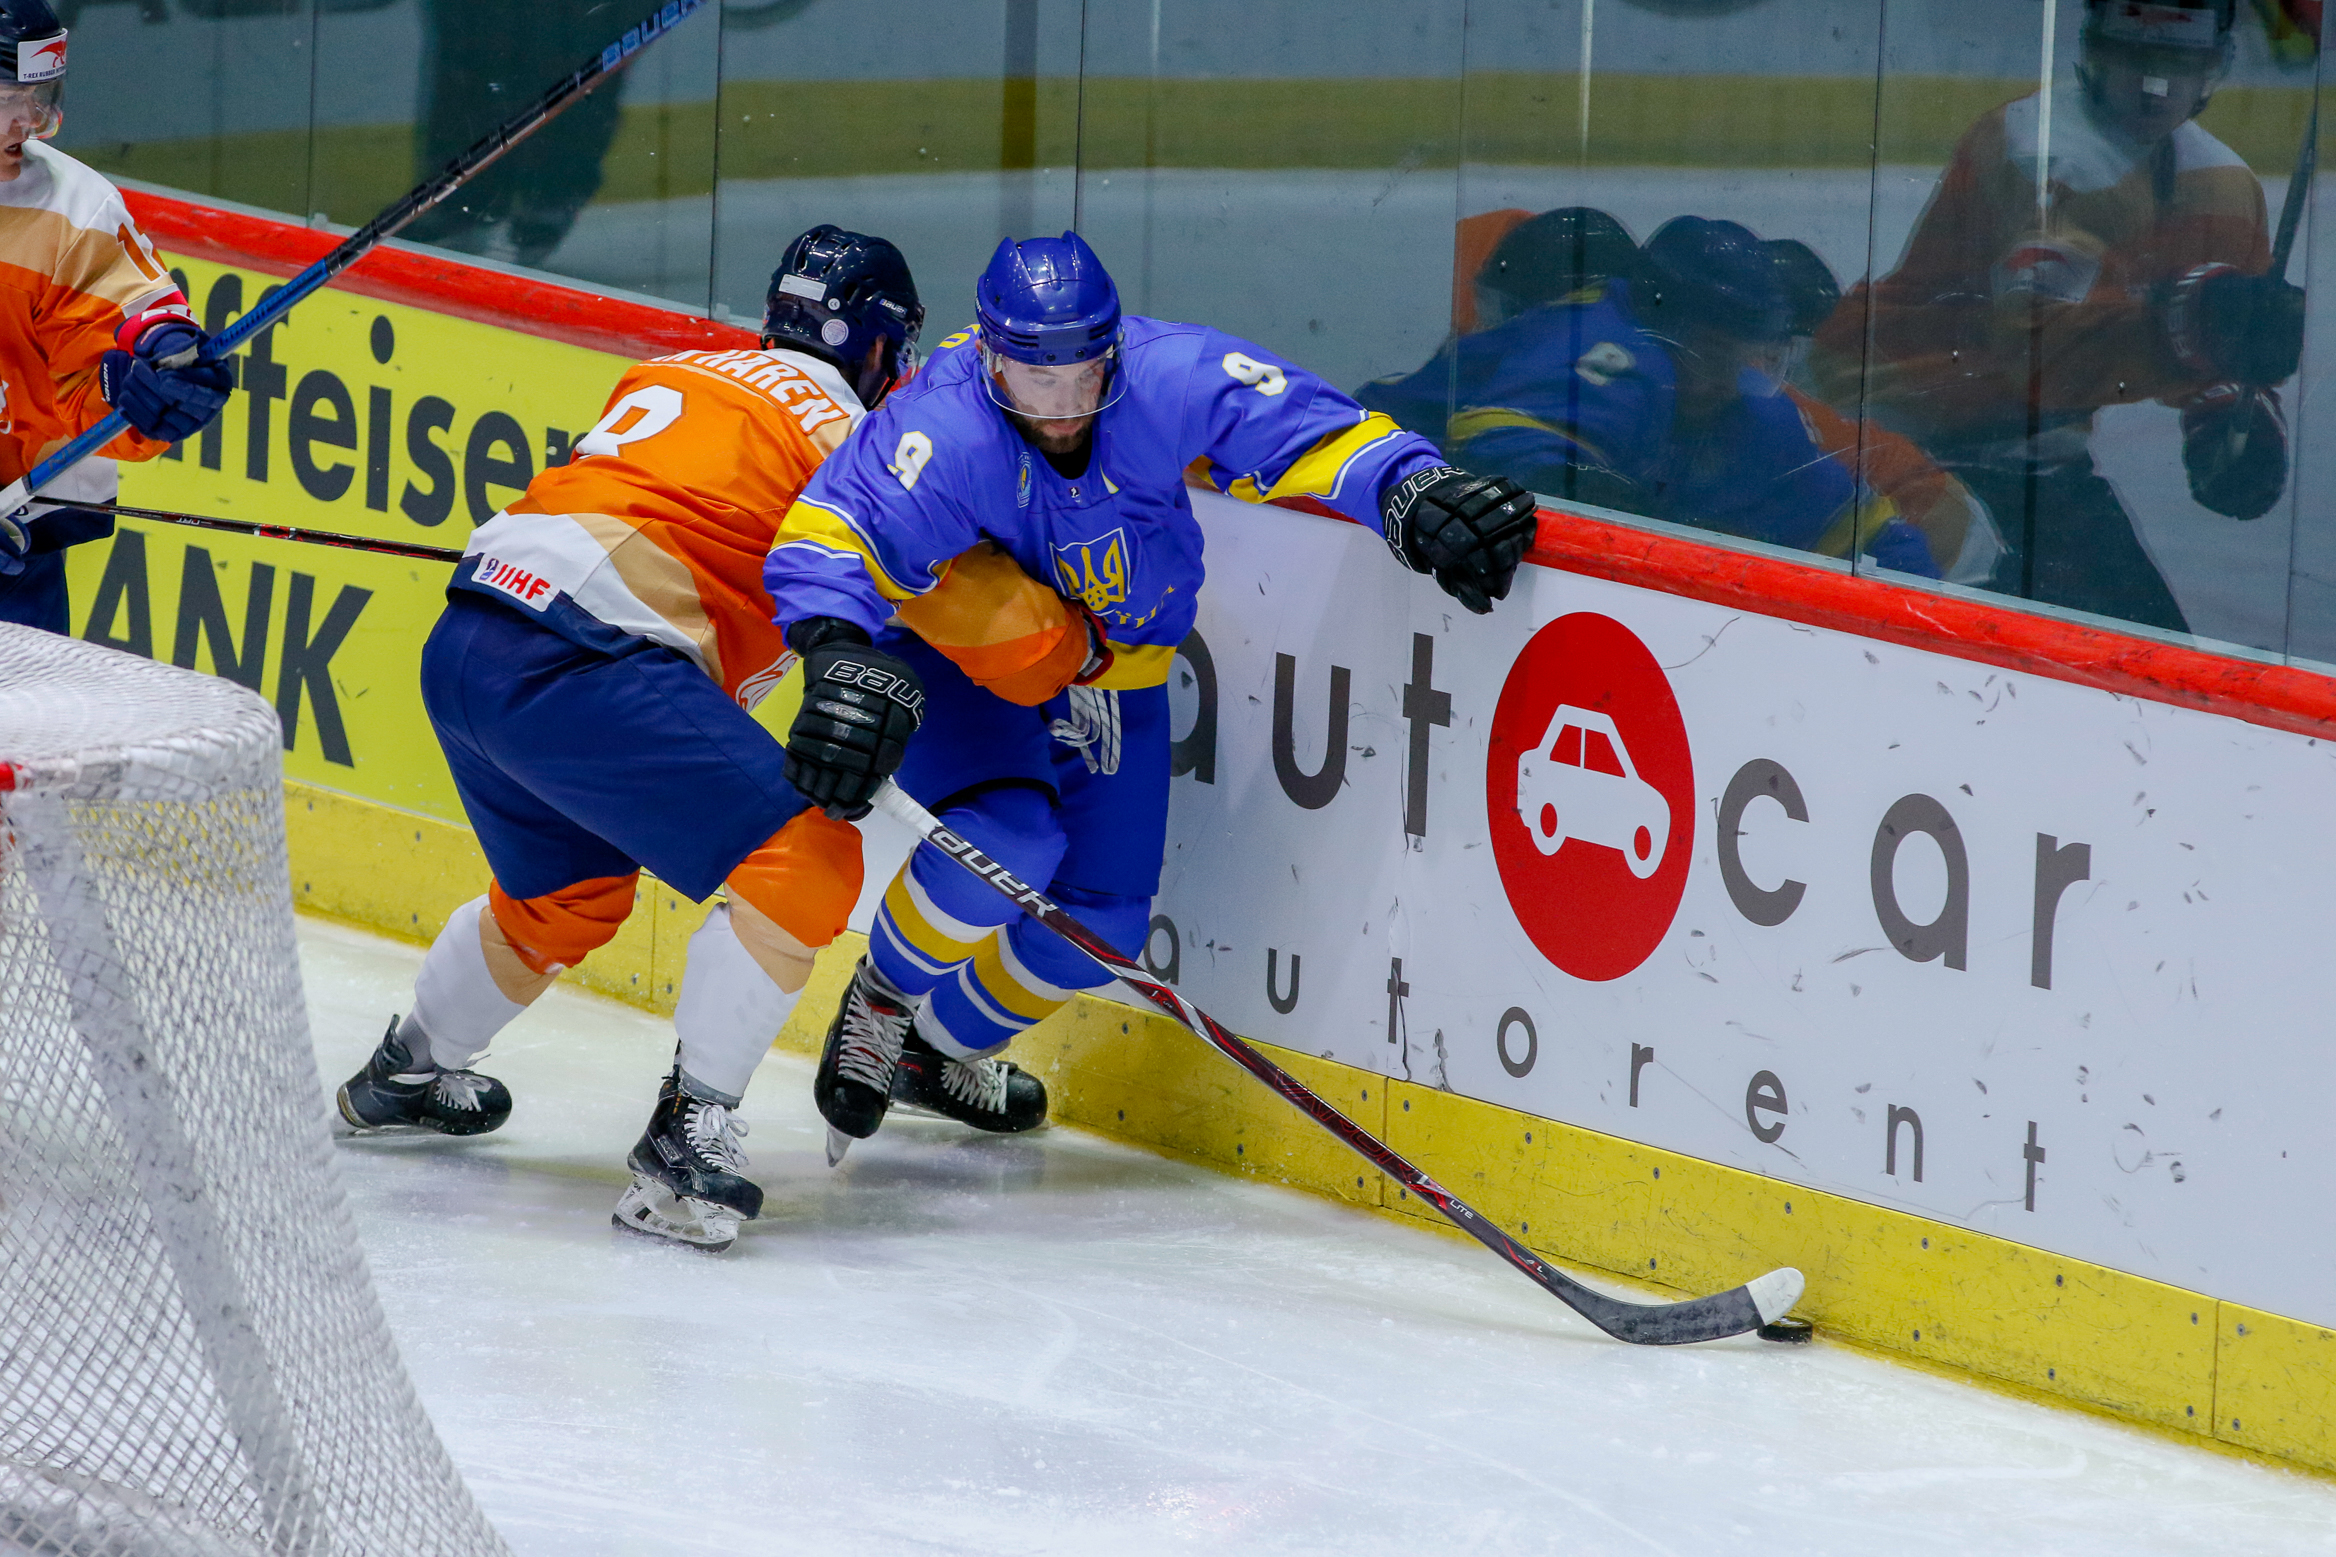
(192, 1357)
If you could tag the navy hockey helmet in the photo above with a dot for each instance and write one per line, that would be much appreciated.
(32, 62)
(836, 294)
(1547, 257)
(1047, 301)
(1811, 290)
(1699, 273)
(2151, 63)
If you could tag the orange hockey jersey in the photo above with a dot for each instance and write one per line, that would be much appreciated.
(1991, 320)
(657, 528)
(77, 278)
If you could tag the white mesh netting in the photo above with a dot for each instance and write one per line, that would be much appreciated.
(192, 1357)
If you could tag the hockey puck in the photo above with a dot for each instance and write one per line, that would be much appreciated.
(1790, 1332)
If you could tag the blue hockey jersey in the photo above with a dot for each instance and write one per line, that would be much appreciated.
(1580, 383)
(938, 469)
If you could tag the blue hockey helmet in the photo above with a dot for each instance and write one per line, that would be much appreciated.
(1047, 301)
(1699, 273)
(836, 294)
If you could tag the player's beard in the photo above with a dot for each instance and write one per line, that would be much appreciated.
(1054, 435)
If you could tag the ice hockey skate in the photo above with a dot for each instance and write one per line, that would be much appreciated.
(393, 1092)
(854, 1084)
(988, 1094)
(686, 1184)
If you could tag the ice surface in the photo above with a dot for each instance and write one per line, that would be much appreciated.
(1059, 1344)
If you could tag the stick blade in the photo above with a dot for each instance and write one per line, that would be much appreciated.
(1739, 1311)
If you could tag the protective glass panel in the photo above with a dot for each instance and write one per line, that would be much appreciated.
(943, 127)
(2070, 318)
(1658, 202)
(1280, 171)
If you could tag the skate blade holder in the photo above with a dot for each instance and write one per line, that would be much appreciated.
(654, 1211)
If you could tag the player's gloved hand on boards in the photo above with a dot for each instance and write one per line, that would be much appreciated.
(15, 541)
(164, 387)
(2234, 449)
(860, 706)
(1470, 532)
(2223, 323)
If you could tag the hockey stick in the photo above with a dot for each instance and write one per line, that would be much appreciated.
(482, 154)
(277, 532)
(1756, 1304)
(2299, 187)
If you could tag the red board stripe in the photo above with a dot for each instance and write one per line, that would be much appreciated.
(574, 315)
(2276, 696)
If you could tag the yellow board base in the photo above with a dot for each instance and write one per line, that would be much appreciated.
(1936, 1295)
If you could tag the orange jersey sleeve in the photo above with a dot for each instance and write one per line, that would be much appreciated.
(73, 270)
(660, 522)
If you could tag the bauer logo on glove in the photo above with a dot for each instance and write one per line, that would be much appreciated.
(1469, 532)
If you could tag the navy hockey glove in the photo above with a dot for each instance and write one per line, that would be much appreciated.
(2234, 449)
(165, 388)
(15, 541)
(1470, 532)
(2228, 325)
(860, 706)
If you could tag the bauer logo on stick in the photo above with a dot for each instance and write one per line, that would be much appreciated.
(1591, 796)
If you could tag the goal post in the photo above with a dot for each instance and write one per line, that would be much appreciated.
(192, 1356)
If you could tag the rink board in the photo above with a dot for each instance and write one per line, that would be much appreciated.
(1668, 1077)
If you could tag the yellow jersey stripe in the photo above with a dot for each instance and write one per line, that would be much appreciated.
(1144, 666)
(1318, 471)
(824, 527)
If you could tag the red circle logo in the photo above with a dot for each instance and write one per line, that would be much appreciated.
(1591, 796)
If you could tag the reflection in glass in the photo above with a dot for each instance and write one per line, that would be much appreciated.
(2090, 245)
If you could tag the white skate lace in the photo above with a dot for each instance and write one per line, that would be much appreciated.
(870, 1050)
(713, 1132)
(982, 1083)
(459, 1088)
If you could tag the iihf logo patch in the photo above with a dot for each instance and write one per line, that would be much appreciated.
(1094, 570)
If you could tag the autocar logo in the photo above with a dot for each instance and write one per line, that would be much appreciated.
(1578, 782)
(1590, 796)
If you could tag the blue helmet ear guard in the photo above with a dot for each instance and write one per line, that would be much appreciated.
(834, 295)
(1047, 301)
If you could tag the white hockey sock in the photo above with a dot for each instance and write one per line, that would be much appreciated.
(729, 1010)
(457, 1004)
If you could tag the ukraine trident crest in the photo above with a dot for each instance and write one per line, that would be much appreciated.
(1094, 570)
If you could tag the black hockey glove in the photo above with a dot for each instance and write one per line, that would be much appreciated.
(2234, 449)
(165, 388)
(860, 706)
(2229, 325)
(1470, 532)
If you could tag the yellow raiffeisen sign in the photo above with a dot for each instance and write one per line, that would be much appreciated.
(355, 415)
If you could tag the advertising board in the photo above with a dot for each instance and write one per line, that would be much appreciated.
(2012, 953)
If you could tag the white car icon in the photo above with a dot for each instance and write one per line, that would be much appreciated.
(1579, 782)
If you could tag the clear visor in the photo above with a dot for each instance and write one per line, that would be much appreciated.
(36, 110)
(1045, 392)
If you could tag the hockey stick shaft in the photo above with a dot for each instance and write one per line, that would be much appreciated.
(277, 532)
(2299, 193)
(1735, 1312)
(482, 154)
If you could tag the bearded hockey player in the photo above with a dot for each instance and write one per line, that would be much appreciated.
(1650, 387)
(590, 681)
(2003, 332)
(90, 323)
(1050, 443)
